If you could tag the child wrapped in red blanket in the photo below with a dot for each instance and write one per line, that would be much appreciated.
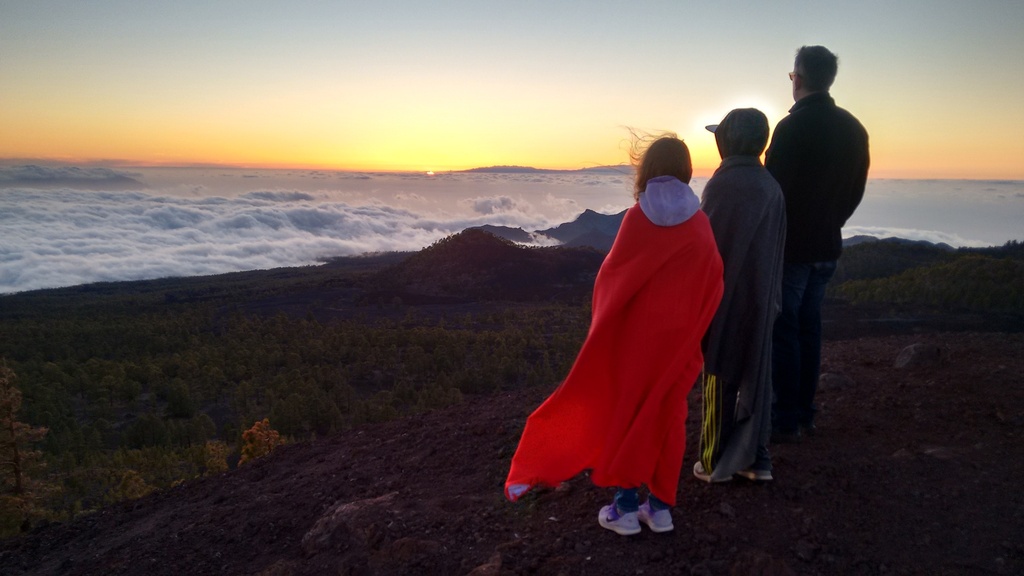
(621, 411)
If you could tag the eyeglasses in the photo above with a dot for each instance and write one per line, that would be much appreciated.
(793, 75)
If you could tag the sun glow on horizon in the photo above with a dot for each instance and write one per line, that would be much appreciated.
(466, 85)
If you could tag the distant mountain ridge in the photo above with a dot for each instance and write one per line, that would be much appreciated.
(590, 228)
(517, 235)
(862, 238)
(598, 230)
(620, 169)
(46, 177)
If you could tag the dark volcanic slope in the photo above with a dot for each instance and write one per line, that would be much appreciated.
(913, 471)
(475, 264)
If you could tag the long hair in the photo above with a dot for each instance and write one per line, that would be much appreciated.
(653, 156)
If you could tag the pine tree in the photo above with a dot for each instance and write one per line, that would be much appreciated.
(259, 441)
(216, 457)
(19, 492)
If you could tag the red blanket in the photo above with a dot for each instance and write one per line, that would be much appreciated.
(621, 412)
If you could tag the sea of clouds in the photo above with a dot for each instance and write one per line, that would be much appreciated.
(69, 226)
(63, 226)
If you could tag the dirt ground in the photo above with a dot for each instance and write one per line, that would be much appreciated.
(913, 470)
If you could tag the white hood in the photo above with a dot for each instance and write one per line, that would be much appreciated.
(667, 201)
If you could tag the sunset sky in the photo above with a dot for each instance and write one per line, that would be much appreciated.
(449, 85)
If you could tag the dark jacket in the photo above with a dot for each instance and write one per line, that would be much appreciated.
(819, 156)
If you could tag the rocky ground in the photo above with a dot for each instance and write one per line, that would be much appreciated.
(913, 470)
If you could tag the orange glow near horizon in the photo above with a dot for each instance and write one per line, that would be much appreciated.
(704, 165)
(303, 140)
(331, 131)
(456, 86)
(306, 141)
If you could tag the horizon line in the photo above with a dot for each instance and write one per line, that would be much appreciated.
(496, 168)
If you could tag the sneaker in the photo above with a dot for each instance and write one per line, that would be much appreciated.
(657, 520)
(756, 474)
(701, 474)
(622, 524)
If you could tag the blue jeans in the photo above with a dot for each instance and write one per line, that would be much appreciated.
(796, 344)
(627, 500)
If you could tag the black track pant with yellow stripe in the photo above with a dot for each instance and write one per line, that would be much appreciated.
(719, 416)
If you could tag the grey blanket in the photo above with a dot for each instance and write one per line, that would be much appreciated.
(748, 216)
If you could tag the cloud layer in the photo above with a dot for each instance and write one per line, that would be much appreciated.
(69, 226)
(57, 235)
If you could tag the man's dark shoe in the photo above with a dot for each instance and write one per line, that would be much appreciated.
(786, 436)
(808, 429)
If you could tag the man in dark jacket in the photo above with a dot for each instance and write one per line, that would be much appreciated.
(819, 156)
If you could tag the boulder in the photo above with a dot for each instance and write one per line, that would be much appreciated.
(919, 355)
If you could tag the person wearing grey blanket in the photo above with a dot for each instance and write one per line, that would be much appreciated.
(748, 217)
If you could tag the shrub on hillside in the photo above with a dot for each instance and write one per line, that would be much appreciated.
(970, 282)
